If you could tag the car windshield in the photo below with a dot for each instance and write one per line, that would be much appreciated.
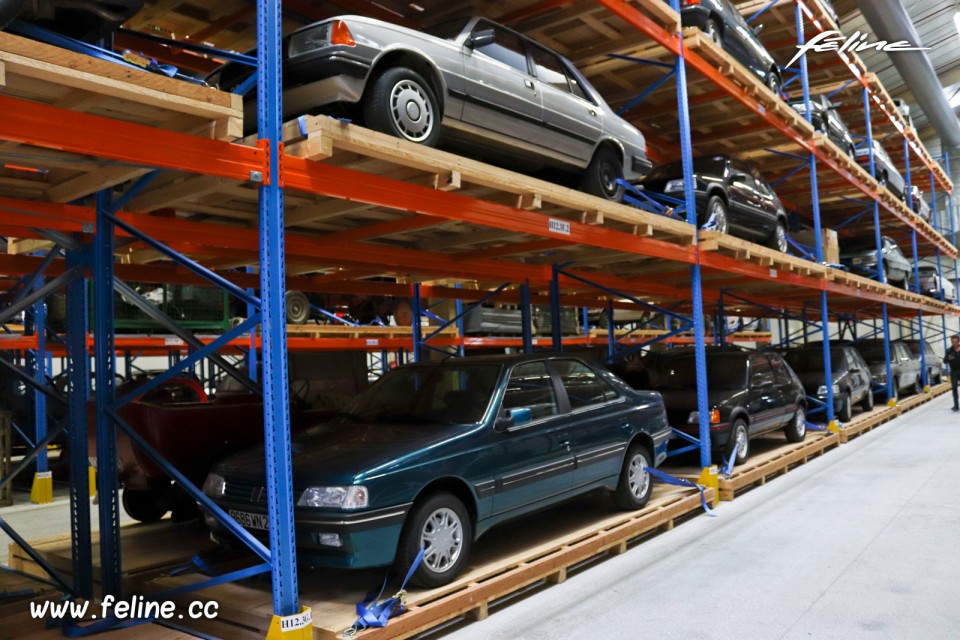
(928, 272)
(873, 352)
(724, 371)
(811, 360)
(860, 244)
(448, 29)
(431, 394)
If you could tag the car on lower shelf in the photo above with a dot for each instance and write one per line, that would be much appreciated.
(435, 454)
(824, 117)
(885, 171)
(851, 377)
(731, 197)
(933, 362)
(722, 22)
(750, 393)
(469, 84)
(905, 366)
(860, 257)
(931, 284)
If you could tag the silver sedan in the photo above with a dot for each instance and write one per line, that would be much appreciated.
(471, 83)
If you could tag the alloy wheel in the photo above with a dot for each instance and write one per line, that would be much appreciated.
(411, 110)
(637, 477)
(441, 539)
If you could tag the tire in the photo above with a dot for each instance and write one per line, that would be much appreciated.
(867, 403)
(739, 434)
(143, 505)
(918, 385)
(796, 431)
(600, 177)
(401, 103)
(717, 209)
(778, 240)
(846, 409)
(773, 81)
(402, 313)
(712, 29)
(444, 514)
(635, 486)
(298, 307)
(896, 390)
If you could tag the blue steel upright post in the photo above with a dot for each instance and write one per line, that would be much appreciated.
(42, 489)
(908, 186)
(696, 297)
(881, 272)
(288, 621)
(817, 231)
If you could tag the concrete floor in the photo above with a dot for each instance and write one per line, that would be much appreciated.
(861, 543)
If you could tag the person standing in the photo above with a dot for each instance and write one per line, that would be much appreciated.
(952, 358)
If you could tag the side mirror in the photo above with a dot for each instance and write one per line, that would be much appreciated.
(481, 38)
(757, 29)
(514, 418)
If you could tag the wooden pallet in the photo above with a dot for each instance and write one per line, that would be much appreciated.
(777, 458)
(540, 548)
(881, 415)
(346, 331)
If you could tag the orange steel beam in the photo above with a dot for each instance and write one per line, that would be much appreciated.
(534, 246)
(674, 44)
(533, 10)
(220, 24)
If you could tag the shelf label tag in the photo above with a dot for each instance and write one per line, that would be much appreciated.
(559, 226)
(296, 621)
(173, 342)
(773, 273)
(372, 342)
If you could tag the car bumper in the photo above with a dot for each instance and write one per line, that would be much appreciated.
(640, 166)
(695, 15)
(366, 538)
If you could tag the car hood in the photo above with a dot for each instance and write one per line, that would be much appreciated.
(813, 380)
(344, 453)
(680, 402)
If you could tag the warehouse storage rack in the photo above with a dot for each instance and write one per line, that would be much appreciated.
(548, 244)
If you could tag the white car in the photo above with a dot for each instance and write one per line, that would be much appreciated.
(931, 283)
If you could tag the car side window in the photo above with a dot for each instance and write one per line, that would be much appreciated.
(549, 70)
(780, 371)
(583, 386)
(506, 48)
(761, 372)
(531, 387)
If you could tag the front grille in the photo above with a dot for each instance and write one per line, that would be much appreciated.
(250, 491)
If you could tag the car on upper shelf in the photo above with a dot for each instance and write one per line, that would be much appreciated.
(86, 20)
(435, 454)
(831, 10)
(919, 204)
(931, 284)
(850, 379)
(468, 84)
(933, 361)
(885, 171)
(731, 197)
(824, 117)
(722, 22)
(905, 366)
(749, 393)
(860, 256)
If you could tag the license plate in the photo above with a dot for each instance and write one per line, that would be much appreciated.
(251, 520)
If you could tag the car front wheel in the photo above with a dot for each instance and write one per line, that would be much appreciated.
(717, 213)
(779, 239)
(846, 409)
(602, 175)
(796, 431)
(867, 403)
(739, 438)
(401, 103)
(440, 525)
(144, 505)
(635, 486)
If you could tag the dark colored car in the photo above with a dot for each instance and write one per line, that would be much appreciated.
(467, 83)
(434, 455)
(933, 361)
(903, 364)
(87, 20)
(824, 116)
(749, 394)
(720, 20)
(850, 379)
(860, 257)
(885, 171)
(731, 195)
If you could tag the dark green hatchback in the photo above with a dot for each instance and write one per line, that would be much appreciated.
(434, 455)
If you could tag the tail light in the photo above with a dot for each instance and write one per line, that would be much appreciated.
(340, 34)
(687, 3)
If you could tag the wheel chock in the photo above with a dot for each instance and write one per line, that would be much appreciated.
(296, 627)
(42, 490)
(710, 478)
(834, 426)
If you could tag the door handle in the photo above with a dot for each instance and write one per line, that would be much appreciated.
(565, 444)
(528, 83)
(593, 112)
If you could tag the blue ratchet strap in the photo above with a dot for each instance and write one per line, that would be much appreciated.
(374, 613)
(72, 629)
(197, 563)
(728, 464)
(812, 426)
(666, 478)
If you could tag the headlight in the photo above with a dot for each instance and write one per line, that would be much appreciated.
(310, 39)
(695, 417)
(880, 377)
(214, 486)
(352, 497)
(673, 186)
(822, 391)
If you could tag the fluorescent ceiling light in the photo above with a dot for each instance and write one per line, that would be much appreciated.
(956, 21)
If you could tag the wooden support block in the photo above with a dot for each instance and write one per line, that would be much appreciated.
(316, 147)
(482, 612)
(619, 549)
(557, 578)
(666, 526)
(592, 217)
(529, 201)
(3, 74)
(643, 230)
(447, 181)
(24, 246)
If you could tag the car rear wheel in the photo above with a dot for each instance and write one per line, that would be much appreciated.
(867, 403)
(298, 307)
(144, 505)
(712, 29)
(896, 390)
(778, 240)
(796, 431)
(846, 409)
(739, 437)
(635, 486)
(602, 175)
(717, 213)
(918, 385)
(773, 81)
(440, 525)
(401, 103)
